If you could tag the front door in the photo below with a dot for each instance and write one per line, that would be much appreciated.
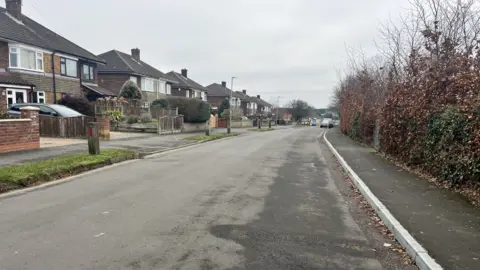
(16, 96)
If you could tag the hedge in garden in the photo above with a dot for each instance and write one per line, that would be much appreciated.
(130, 90)
(193, 110)
(79, 104)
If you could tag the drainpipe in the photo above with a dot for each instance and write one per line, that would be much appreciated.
(54, 82)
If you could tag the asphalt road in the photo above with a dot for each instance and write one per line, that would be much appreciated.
(267, 200)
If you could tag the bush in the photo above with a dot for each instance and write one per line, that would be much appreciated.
(115, 116)
(132, 119)
(223, 106)
(161, 103)
(193, 110)
(146, 119)
(130, 91)
(79, 104)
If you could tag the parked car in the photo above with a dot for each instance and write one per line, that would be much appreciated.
(45, 109)
(327, 122)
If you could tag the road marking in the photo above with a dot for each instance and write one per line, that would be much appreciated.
(98, 235)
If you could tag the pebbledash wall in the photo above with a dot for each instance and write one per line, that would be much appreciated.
(20, 134)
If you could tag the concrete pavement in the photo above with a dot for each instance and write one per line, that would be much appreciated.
(269, 200)
(442, 221)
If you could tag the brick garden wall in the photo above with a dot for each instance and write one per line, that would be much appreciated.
(20, 134)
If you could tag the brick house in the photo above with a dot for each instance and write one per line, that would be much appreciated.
(262, 107)
(218, 92)
(37, 64)
(122, 67)
(186, 87)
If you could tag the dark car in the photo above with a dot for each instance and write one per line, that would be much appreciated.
(45, 109)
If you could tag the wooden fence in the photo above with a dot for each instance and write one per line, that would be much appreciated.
(170, 124)
(64, 127)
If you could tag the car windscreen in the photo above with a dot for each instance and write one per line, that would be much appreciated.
(65, 111)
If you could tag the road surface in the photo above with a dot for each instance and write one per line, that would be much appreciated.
(267, 200)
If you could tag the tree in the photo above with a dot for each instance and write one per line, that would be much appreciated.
(130, 90)
(300, 109)
(224, 105)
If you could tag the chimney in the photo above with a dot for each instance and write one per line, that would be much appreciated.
(14, 8)
(224, 84)
(258, 96)
(185, 72)
(136, 54)
(244, 91)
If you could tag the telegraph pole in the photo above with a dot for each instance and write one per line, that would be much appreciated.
(278, 104)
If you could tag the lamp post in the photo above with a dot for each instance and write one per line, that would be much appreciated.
(229, 129)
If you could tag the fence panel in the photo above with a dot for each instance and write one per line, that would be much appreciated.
(170, 124)
(64, 127)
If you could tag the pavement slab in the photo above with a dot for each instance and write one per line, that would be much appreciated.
(443, 222)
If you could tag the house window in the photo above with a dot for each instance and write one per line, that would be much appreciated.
(38, 97)
(187, 93)
(162, 88)
(169, 89)
(149, 84)
(133, 79)
(68, 67)
(26, 58)
(87, 72)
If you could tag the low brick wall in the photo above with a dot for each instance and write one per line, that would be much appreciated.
(103, 126)
(242, 124)
(194, 127)
(20, 134)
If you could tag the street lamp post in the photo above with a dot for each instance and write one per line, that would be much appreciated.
(229, 129)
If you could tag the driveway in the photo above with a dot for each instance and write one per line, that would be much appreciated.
(269, 200)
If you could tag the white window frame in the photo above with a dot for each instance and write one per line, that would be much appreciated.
(154, 83)
(187, 93)
(168, 88)
(40, 96)
(38, 57)
(13, 96)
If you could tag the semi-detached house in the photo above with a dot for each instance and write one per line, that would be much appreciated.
(38, 65)
(186, 87)
(122, 67)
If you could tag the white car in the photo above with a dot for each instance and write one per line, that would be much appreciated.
(327, 122)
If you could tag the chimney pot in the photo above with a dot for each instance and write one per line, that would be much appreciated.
(258, 96)
(136, 54)
(224, 84)
(244, 91)
(14, 8)
(185, 72)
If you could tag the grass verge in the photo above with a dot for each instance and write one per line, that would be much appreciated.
(35, 173)
(261, 129)
(212, 137)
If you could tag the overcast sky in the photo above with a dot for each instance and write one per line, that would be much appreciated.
(286, 48)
